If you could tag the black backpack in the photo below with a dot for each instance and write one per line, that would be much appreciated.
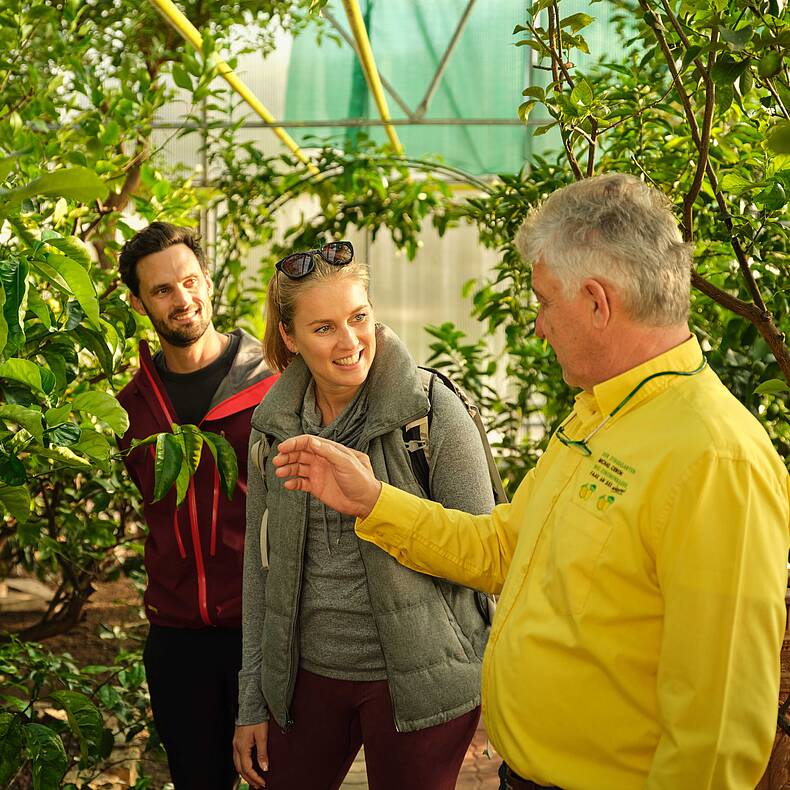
(416, 437)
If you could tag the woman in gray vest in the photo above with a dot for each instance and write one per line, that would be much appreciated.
(342, 646)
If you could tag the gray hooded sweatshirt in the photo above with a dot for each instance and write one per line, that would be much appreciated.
(432, 635)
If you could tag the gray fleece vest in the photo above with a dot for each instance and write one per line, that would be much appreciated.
(432, 635)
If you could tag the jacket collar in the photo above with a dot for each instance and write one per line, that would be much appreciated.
(243, 387)
(396, 395)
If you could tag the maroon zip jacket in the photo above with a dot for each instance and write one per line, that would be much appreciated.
(193, 554)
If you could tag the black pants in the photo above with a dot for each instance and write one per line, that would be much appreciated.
(193, 680)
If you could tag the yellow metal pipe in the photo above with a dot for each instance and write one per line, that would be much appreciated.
(369, 67)
(182, 25)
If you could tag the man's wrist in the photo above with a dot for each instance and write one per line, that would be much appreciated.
(370, 502)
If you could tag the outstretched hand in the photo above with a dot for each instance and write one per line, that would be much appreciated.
(340, 477)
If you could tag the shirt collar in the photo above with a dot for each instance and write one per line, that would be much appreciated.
(607, 395)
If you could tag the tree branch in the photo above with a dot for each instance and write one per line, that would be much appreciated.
(704, 147)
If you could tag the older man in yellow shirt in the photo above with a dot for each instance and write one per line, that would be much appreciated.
(642, 563)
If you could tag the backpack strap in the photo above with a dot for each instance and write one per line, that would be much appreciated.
(417, 437)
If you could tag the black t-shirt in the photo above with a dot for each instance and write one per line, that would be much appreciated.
(191, 393)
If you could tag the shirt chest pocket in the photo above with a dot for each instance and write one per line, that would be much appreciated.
(573, 555)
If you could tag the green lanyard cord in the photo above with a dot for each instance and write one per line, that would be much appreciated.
(581, 444)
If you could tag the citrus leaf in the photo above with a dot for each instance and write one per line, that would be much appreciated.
(16, 500)
(78, 183)
(27, 417)
(47, 756)
(193, 446)
(85, 720)
(80, 285)
(74, 248)
(167, 464)
(13, 277)
(105, 408)
(225, 459)
(28, 373)
(772, 385)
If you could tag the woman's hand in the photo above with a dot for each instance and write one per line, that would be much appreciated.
(340, 477)
(251, 740)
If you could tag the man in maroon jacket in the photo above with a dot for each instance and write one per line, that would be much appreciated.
(193, 553)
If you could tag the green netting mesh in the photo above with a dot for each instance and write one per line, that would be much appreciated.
(483, 79)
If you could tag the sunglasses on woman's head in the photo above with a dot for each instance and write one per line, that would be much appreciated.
(300, 264)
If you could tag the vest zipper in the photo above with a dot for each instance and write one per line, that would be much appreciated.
(289, 722)
(381, 644)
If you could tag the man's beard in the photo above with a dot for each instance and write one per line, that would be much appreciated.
(182, 336)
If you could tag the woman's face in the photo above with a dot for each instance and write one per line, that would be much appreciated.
(335, 333)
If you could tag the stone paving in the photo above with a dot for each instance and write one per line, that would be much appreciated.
(479, 771)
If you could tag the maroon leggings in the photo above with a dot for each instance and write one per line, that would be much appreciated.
(333, 718)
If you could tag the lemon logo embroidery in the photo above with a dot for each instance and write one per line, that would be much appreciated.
(604, 502)
(586, 490)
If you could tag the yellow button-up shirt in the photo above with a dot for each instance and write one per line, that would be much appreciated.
(641, 613)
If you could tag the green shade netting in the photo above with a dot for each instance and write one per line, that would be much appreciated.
(484, 78)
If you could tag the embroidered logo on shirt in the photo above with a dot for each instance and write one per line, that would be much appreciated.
(611, 482)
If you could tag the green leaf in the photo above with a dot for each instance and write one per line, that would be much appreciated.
(47, 756)
(64, 456)
(193, 446)
(57, 414)
(85, 721)
(727, 69)
(30, 374)
(78, 183)
(525, 108)
(6, 166)
(12, 470)
(39, 308)
(74, 248)
(95, 446)
(582, 94)
(541, 130)
(535, 91)
(688, 56)
(167, 464)
(13, 276)
(16, 500)
(576, 22)
(772, 198)
(738, 38)
(181, 78)
(80, 285)
(105, 408)
(772, 385)
(182, 481)
(28, 418)
(95, 342)
(3, 323)
(778, 139)
(745, 82)
(63, 435)
(736, 183)
(12, 741)
(225, 459)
